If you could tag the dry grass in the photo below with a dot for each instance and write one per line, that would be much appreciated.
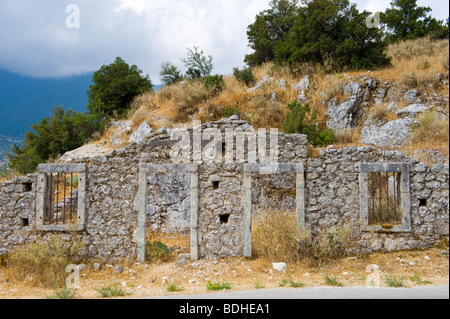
(9, 175)
(171, 240)
(380, 113)
(263, 113)
(182, 101)
(434, 129)
(416, 62)
(275, 236)
(42, 264)
(432, 134)
(146, 280)
(347, 137)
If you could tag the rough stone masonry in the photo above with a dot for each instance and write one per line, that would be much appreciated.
(127, 193)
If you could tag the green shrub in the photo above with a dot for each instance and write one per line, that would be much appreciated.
(394, 281)
(303, 121)
(156, 251)
(289, 281)
(174, 287)
(218, 286)
(214, 83)
(419, 281)
(259, 285)
(112, 290)
(52, 137)
(245, 76)
(229, 111)
(63, 294)
(73, 181)
(331, 244)
(333, 281)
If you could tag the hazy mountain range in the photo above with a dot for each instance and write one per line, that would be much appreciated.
(25, 101)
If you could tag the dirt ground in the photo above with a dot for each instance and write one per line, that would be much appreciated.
(149, 280)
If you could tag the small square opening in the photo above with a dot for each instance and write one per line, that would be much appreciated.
(422, 202)
(216, 185)
(27, 187)
(224, 219)
(24, 222)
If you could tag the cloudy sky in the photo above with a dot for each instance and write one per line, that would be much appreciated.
(35, 40)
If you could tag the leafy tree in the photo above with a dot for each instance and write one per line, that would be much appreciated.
(406, 21)
(198, 65)
(52, 137)
(170, 73)
(333, 32)
(271, 26)
(114, 88)
(302, 121)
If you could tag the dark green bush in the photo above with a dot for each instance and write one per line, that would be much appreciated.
(303, 121)
(214, 83)
(245, 76)
(156, 251)
(229, 111)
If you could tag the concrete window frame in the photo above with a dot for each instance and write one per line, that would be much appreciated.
(144, 170)
(272, 169)
(42, 189)
(405, 192)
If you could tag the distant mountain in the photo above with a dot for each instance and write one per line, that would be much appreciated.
(25, 101)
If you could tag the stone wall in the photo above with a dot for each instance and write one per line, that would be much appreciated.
(333, 197)
(112, 228)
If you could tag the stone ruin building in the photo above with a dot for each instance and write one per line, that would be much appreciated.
(111, 201)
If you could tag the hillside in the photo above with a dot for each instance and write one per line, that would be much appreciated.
(402, 107)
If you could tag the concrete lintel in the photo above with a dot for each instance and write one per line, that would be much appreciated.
(275, 168)
(169, 168)
(383, 167)
(61, 168)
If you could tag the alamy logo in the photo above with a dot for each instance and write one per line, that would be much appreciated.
(73, 17)
(373, 21)
(73, 280)
(234, 146)
(373, 280)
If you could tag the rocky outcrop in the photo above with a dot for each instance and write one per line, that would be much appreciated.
(344, 115)
(391, 134)
(141, 134)
(412, 110)
(347, 114)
